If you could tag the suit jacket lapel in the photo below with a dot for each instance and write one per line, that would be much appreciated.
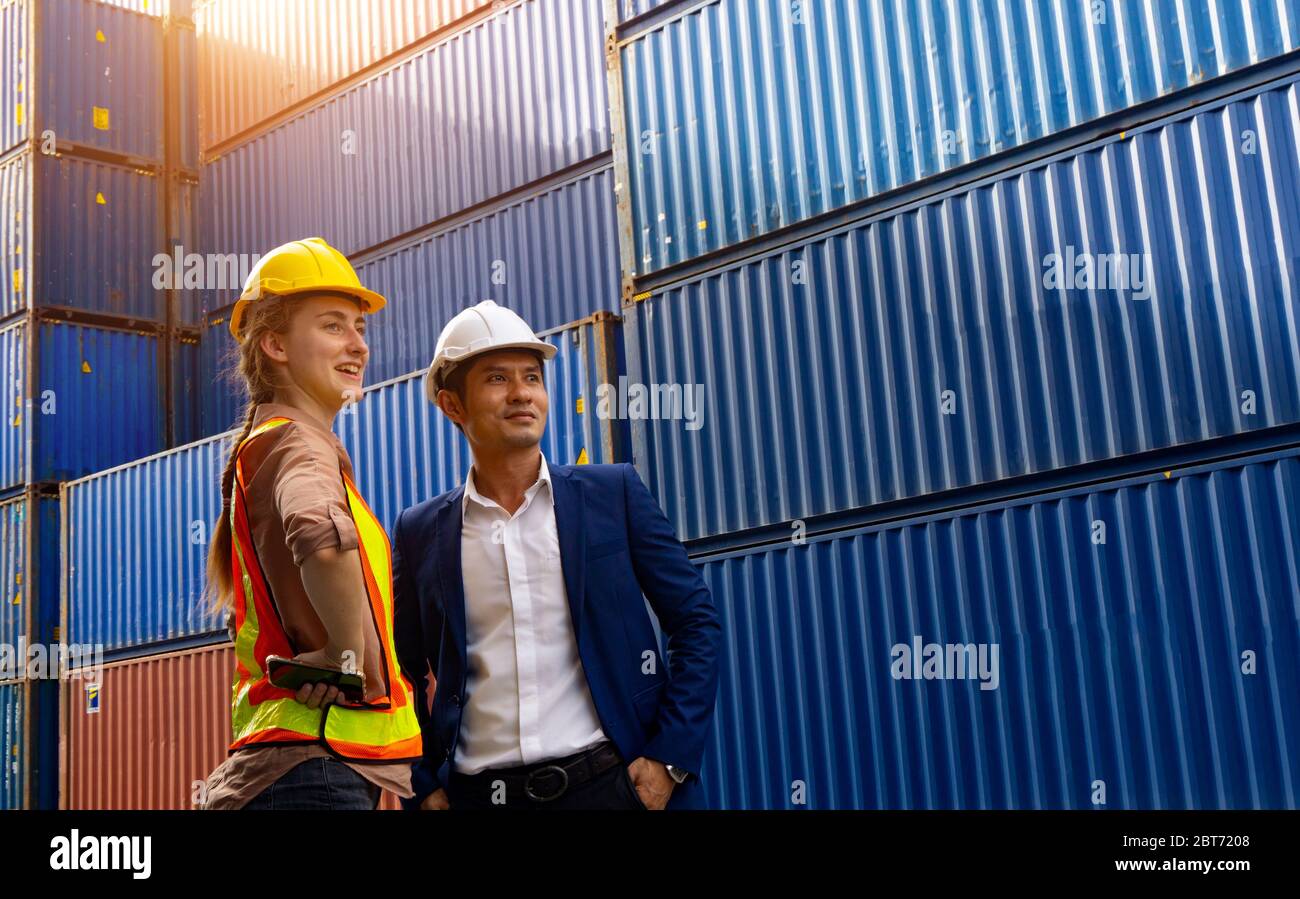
(449, 568)
(571, 523)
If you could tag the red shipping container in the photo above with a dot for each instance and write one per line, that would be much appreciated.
(149, 733)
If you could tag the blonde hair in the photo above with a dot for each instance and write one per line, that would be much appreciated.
(270, 315)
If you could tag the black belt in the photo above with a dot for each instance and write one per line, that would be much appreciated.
(546, 781)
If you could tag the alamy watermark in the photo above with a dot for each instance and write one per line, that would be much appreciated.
(657, 402)
(54, 661)
(202, 271)
(946, 661)
(1071, 270)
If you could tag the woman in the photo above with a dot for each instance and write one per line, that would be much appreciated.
(298, 557)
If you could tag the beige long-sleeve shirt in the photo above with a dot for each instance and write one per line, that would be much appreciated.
(297, 506)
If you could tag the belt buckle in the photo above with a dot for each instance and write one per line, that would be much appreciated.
(564, 783)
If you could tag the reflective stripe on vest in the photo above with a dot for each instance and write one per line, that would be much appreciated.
(262, 713)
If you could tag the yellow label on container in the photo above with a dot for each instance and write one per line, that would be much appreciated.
(702, 224)
(18, 577)
(18, 598)
(18, 280)
(99, 198)
(579, 405)
(99, 36)
(99, 116)
(19, 115)
(18, 420)
(582, 457)
(85, 367)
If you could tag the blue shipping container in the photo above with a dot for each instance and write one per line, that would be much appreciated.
(96, 402)
(91, 76)
(29, 576)
(746, 116)
(13, 745)
(137, 536)
(79, 234)
(137, 544)
(1147, 641)
(1088, 307)
(509, 100)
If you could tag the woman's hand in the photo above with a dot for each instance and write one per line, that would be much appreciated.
(315, 696)
(435, 802)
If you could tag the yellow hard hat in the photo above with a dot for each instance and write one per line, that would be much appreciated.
(302, 266)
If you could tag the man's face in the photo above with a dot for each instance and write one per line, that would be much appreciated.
(505, 402)
(325, 349)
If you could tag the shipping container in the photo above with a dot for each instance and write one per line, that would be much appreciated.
(744, 117)
(186, 266)
(28, 744)
(1146, 637)
(259, 60)
(507, 101)
(29, 581)
(148, 732)
(631, 9)
(1092, 306)
(14, 755)
(85, 72)
(79, 234)
(187, 387)
(136, 545)
(405, 451)
(97, 400)
(186, 93)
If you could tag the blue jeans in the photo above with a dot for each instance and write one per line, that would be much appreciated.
(323, 784)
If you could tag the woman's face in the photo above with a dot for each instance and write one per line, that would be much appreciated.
(324, 351)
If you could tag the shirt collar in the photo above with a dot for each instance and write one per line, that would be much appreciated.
(472, 494)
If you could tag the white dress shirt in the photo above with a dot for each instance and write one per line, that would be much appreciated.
(527, 698)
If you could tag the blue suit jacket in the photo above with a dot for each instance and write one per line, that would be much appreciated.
(615, 545)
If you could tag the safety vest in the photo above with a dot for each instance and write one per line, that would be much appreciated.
(385, 730)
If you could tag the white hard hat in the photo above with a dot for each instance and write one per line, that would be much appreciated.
(476, 330)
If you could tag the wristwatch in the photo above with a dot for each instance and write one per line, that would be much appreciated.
(677, 774)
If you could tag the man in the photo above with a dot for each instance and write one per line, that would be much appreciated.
(521, 591)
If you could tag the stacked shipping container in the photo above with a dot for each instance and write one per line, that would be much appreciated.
(95, 165)
(1004, 316)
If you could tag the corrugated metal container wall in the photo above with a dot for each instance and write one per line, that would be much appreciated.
(13, 745)
(183, 231)
(85, 239)
(187, 385)
(94, 77)
(94, 381)
(136, 544)
(404, 451)
(14, 619)
(15, 415)
(1118, 661)
(256, 64)
(188, 124)
(630, 9)
(223, 398)
(552, 258)
(872, 335)
(161, 725)
(744, 117)
(29, 587)
(510, 100)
